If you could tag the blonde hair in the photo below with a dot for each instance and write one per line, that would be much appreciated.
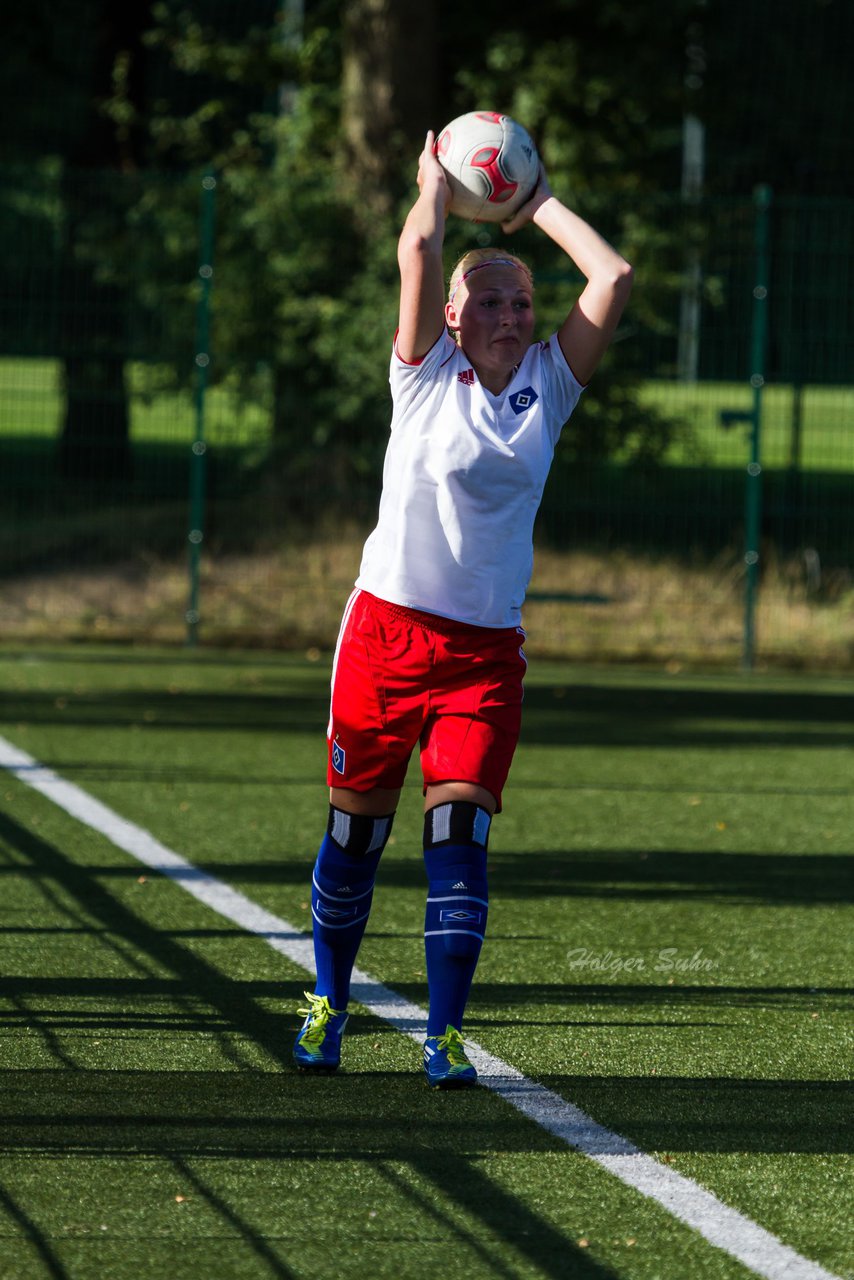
(480, 258)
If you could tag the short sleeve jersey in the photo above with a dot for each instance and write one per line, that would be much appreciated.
(463, 479)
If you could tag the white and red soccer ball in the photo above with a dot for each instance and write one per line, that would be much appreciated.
(491, 163)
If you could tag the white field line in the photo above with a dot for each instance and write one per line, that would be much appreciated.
(690, 1203)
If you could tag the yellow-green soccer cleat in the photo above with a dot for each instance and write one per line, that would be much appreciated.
(318, 1045)
(445, 1063)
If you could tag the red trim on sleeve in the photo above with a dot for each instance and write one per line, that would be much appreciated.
(413, 364)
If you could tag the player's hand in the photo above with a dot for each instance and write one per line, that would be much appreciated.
(542, 193)
(431, 175)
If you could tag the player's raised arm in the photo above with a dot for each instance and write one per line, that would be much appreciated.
(587, 331)
(419, 255)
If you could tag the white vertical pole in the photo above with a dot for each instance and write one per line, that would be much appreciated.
(693, 166)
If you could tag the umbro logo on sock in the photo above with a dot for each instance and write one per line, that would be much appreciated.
(460, 885)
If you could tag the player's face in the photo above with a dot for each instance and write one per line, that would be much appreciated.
(494, 312)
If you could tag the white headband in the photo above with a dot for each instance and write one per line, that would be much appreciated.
(478, 266)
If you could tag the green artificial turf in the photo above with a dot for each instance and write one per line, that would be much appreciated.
(669, 948)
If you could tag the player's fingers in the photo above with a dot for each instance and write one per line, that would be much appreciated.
(426, 159)
(518, 220)
(431, 151)
(425, 151)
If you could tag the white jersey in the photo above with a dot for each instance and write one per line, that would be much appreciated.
(463, 479)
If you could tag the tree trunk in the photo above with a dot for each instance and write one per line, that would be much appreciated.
(95, 443)
(388, 92)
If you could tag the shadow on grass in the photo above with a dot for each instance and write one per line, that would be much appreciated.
(381, 1115)
(401, 1132)
(387, 1116)
(649, 715)
(210, 711)
(754, 879)
(390, 1124)
(365, 1116)
(29, 1229)
(241, 1114)
(571, 715)
(674, 1113)
(220, 1003)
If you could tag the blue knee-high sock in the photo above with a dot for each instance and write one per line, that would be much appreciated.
(455, 921)
(341, 893)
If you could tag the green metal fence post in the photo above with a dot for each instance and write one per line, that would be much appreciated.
(753, 491)
(195, 535)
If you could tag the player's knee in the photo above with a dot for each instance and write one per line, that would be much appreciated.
(357, 834)
(456, 822)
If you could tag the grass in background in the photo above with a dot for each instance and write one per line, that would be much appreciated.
(826, 421)
(151, 1123)
(31, 399)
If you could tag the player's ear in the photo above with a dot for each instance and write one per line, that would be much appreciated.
(452, 319)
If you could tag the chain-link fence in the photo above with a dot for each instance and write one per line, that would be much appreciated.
(148, 491)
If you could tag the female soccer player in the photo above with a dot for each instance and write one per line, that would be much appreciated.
(429, 649)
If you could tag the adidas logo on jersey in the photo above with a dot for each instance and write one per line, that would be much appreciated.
(466, 377)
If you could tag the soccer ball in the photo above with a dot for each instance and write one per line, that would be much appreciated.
(491, 163)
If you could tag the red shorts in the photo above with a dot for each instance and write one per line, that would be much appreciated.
(401, 677)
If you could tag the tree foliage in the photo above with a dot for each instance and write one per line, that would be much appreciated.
(310, 199)
(313, 131)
